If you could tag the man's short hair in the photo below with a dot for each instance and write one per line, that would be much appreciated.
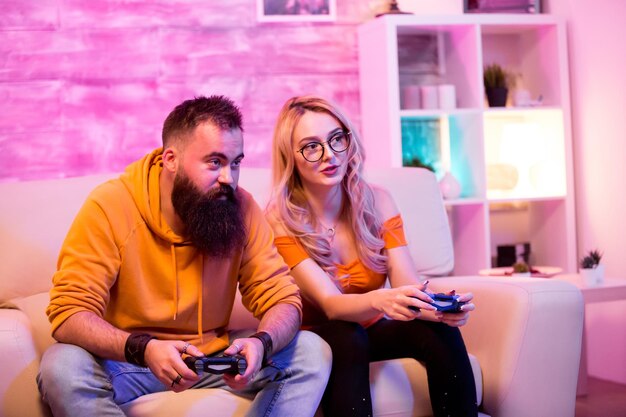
(218, 110)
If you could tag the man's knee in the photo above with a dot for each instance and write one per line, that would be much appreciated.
(63, 368)
(315, 354)
(60, 360)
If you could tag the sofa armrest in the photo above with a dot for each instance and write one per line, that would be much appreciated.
(19, 361)
(526, 334)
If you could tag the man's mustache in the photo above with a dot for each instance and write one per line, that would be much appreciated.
(221, 191)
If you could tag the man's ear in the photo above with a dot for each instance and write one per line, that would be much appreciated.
(170, 159)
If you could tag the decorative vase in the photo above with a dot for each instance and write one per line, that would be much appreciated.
(449, 186)
(496, 96)
(592, 276)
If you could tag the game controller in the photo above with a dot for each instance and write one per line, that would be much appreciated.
(443, 302)
(235, 364)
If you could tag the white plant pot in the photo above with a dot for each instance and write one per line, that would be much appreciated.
(520, 274)
(592, 276)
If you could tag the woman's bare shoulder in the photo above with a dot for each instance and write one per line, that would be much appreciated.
(384, 203)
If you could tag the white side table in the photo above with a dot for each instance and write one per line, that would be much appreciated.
(611, 289)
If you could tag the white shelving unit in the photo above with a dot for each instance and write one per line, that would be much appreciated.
(507, 157)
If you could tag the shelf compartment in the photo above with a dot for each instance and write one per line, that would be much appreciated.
(448, 142)
(530, 53)
(525, 154)
(436, 55)
(458, 48)
(542, 223)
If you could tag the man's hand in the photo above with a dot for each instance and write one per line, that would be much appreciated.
(252, 349)
(163, 357)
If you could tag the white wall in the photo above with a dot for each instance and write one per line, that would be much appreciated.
(597, 55)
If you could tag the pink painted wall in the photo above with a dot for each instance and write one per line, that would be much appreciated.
(597, 66)
(86, 85)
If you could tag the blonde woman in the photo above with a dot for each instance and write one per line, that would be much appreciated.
(343, 238)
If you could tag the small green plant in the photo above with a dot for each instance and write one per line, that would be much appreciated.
(416, 162)
(591, 259)
(520, 267)
(494, 76)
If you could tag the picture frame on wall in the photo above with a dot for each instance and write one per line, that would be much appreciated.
(296, 10)
(502, 6)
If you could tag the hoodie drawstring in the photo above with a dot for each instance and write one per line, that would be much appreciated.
(176, 293)
(173, 252)
(200, 292)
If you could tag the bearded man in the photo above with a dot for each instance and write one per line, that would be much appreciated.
(148, 274)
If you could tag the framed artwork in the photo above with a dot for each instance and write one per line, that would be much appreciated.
(296, 10)
(502, 6)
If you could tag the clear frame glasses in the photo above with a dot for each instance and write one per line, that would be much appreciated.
(337, 142)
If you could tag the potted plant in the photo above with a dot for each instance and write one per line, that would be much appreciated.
(591, 270)
(496, 85)
(520, 269)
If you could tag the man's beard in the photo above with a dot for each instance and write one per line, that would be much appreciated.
(212, 224)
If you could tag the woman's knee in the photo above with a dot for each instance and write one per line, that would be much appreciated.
(349, 343)
(452, 338)
(344, 335)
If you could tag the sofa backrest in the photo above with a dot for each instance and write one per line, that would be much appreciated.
(34, 219)
(35, 216)
(417, 195)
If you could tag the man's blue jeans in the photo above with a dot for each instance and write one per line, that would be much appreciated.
(75, 383)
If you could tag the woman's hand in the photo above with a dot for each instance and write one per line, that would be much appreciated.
(395, 302)
(461, 318)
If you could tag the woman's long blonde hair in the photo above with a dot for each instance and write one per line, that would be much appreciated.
(289, 204)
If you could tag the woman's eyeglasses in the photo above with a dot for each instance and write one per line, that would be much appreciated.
(314, 151)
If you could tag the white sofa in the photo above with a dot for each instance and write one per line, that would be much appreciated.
(524, 337)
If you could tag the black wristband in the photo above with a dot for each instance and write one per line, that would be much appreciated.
(135, 348)
(268, 345)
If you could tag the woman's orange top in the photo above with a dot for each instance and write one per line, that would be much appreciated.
(353, 277)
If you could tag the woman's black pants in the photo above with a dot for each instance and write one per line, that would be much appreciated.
(439, 347)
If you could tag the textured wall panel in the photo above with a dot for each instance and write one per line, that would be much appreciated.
(28, 15)
(30, 106)
(86, 85)
(325, 49)
(148, 13)
(80, 54)
(50, 154)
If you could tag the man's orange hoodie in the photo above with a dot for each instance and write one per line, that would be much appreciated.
(123, 262)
